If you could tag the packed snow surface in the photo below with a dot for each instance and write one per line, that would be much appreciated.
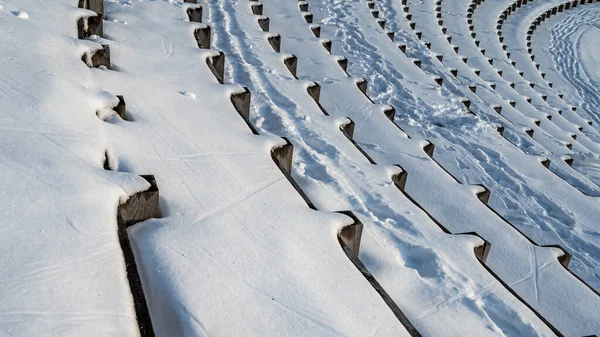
(475, 176)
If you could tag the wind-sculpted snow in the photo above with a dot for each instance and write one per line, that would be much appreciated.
(62, 270)
(439, 174)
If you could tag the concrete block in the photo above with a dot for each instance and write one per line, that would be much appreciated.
(327, 45)
(362, 85)
(545, 162)
(194, 14)
(291, 62)
(390, 35)
(500, 130)
(316, 30)
(569, 161)
(142, 205)
(381, 23)
(351, 235)
(308, 18)
(257, 9)
(466, 102)
(88, 26)
(202, 36)
(483, 195)
(275, 42)
(263, 22)
(100, 57)
(303, 6)
(216, 64)
(390, 113)
(529, 132)
(399, 179)
(481, 252)
(343, 63)
(143, 202)
(282, 157)
(429, 148)
(121, 108)
(106, 162)
(314, 91)
(241, 102)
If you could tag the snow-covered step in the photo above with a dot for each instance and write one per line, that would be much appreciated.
(227, 202)
(562, 163)
(565, 77)
(576, 146)
(525, 220)
(513, 29)
(372, 137)
(457, 23)
(487, 93)
(504, 64)
(541, 42)
(566, 109)
(227, 210)
(62, 264)
(325, 156)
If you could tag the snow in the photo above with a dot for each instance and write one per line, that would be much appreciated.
(569, 64)
(237, 251)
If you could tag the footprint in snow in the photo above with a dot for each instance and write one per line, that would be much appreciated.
(188, 94)
(21, 14)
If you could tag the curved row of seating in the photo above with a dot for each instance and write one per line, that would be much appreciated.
(433, 44)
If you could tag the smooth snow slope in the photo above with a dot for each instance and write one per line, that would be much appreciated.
(62, 270)
(237, 251)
